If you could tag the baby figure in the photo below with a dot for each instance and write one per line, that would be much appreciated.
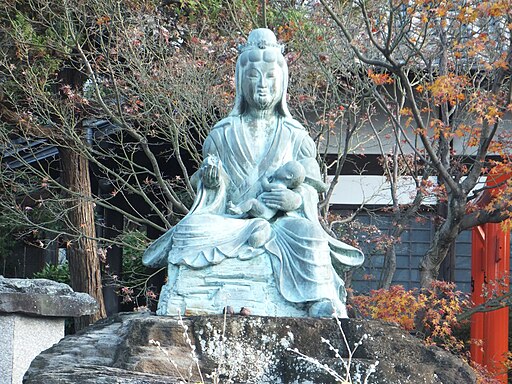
(288, 176)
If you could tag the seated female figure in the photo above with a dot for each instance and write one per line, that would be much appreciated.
(241, 152)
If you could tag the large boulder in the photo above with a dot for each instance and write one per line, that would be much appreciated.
(143, 348)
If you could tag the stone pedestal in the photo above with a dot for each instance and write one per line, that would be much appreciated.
(22, 338)
(32, 314)
(141, 348)
(249, 284)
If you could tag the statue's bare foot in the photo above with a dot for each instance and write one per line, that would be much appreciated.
(328, 308)
(260, 237)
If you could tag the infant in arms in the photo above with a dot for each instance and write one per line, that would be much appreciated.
(288, 176)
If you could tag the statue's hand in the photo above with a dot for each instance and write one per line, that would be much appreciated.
(210, 175)
(282, 199)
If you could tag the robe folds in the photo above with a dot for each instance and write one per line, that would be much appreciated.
(302, 254)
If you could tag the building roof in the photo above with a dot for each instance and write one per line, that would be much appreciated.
(22, 150)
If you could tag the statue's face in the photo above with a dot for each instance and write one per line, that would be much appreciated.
(262, 84)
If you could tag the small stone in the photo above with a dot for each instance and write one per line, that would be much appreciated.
(229, 310)
(244, 311)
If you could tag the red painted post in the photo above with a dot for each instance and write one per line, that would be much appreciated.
(490, 265)
(496, 322)
(477, 284)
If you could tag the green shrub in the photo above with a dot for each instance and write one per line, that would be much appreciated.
(59, 273)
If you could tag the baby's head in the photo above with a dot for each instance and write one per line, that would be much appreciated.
(291, 174)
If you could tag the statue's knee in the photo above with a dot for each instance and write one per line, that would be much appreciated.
(260, 236)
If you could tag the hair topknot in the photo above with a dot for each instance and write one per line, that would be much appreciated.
(260, 38)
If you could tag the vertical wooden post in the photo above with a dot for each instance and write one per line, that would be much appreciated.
(496, 322)
(490, 265)
(477, 284)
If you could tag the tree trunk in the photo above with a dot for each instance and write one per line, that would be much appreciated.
(389, 268)
(443, 240)
(429, 264)
(398, 227)
(84, 264)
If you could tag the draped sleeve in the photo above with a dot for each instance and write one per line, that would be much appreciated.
(213, 140)
(307, 157)
(307, 148)
(209, 147)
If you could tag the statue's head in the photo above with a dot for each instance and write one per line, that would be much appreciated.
(261, 76)
(292, 174)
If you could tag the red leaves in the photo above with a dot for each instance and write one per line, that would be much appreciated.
(433, 311)
(394, 305)
(380, 78)
(287, 31)
(103, 20)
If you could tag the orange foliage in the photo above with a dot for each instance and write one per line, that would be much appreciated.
(442, 305)
(494, 8)
(287, 31)
(467, 15)
(405, 111)
(448, 89)
(380, 78)
(395, 305)
(462, 130)
(431, 311)
(103, 20)
(486, 107)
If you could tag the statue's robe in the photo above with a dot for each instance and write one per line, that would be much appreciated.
(301, 252)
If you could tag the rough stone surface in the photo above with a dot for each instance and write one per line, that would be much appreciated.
(42, 297)
(246, 349)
